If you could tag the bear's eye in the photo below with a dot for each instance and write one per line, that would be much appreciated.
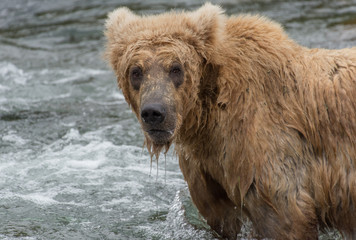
(176, 74)
(136, 77)
(175, 70)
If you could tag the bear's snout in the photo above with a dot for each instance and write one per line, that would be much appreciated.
(153, 114)
(158, 121)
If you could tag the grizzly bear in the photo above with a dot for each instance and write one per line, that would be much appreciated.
(264, 128)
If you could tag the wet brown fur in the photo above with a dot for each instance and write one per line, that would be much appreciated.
(266, 128)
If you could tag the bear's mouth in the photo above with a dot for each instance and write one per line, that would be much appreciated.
(160, 136)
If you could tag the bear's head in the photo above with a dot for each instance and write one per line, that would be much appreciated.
(160, 62)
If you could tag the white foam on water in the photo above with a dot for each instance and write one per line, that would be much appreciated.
(33, 170)
(15, 139)
(177, 225)
(9, 72)
(78, 156)
(118, 95)
(76, 75)
(88, 152)
(91, 71)
(115, 202)
(45, 198)
(51, 97)
(67, 170)
(39, 198)
(4, 88)
(97, 134)
(104, 103)
(83, 164)
(67, 79)
(4, 237)
(3, 101)
(72, 134)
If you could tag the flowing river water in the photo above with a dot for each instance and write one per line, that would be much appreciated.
(72, 164)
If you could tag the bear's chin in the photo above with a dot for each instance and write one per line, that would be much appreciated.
(160, 137)
(157, 141)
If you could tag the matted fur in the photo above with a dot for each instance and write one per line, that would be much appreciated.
(265, 128)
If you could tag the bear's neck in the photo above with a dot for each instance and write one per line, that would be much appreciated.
(203, 143)
(201, 133)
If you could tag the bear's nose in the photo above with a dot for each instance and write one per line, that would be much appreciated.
(153, 113)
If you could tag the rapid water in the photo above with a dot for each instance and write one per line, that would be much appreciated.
(72, 164)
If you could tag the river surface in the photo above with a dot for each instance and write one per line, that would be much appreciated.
(72, 164)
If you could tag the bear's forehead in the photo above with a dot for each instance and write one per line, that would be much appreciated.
(159, 29)
(152, 55)
(160, 49)
(159, 23)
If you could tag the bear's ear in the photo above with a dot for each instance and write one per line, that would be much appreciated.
(209, 24)
(114, 26)
(117, 19)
